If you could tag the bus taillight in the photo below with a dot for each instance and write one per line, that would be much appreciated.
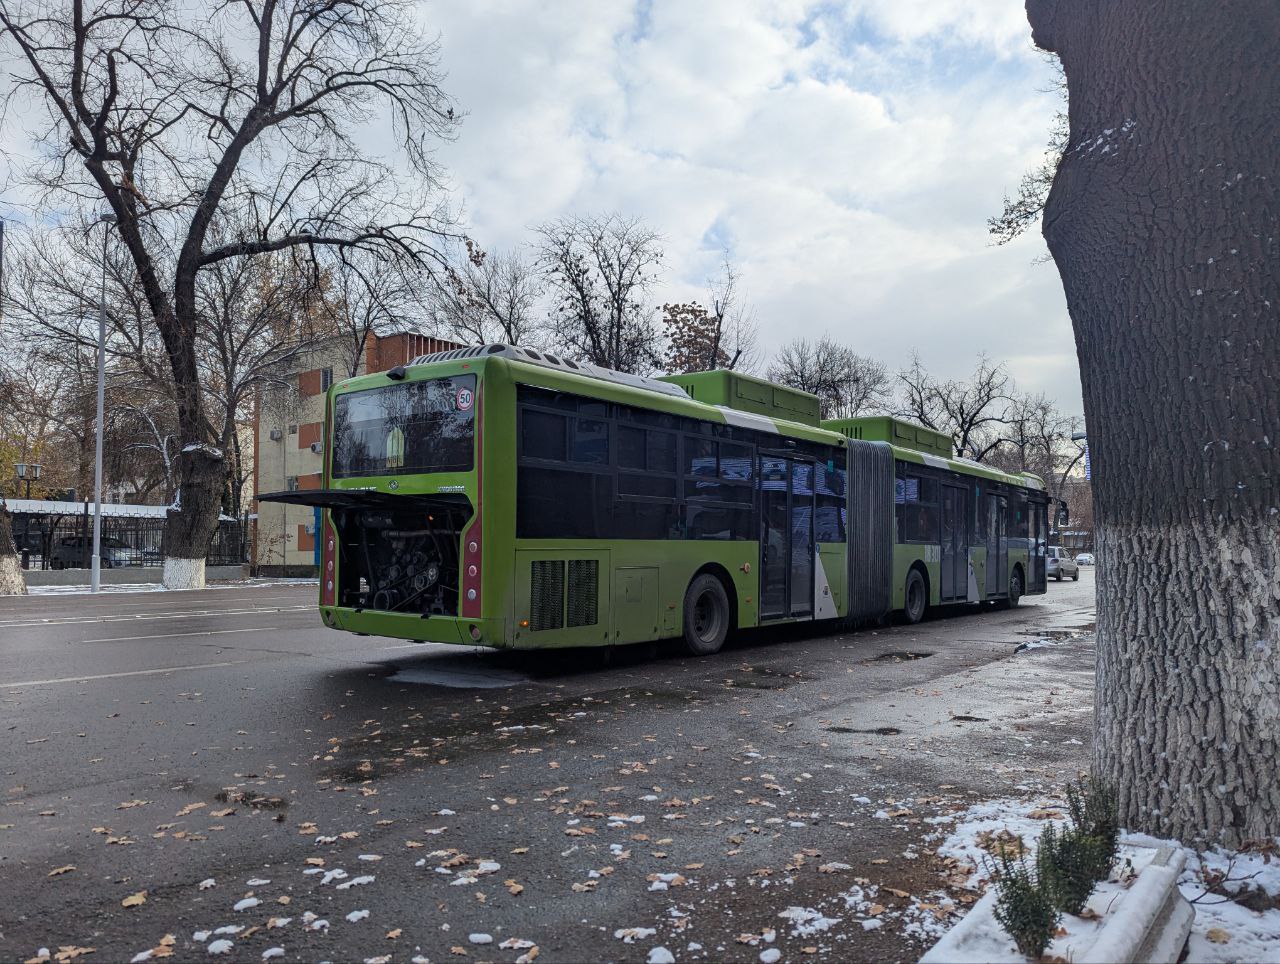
(328, 575)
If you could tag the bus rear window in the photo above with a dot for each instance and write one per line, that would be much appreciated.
(412, 427)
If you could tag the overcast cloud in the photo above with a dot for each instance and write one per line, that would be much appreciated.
(847, 155)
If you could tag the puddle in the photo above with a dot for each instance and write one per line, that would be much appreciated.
(470, 677)
(901, 656)
(969, 719)
(877, 731)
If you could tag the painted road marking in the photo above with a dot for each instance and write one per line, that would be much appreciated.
(211, 632)
(85, 620)
(139, 672)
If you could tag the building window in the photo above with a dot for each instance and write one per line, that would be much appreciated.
(326, 379)
(293, 430)
(292, 483)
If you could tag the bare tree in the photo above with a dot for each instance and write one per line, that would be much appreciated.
(492, 297)
(971, 410)
(1162, 221)
(229, 141)
(600, 271)
(724, 336)
(1037, 437)
(848, 384)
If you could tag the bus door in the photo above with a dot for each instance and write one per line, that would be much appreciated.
(1037, 579)
(955, 544)
(997, 546)
(786, 537)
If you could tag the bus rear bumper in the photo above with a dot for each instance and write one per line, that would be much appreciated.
(433, 629)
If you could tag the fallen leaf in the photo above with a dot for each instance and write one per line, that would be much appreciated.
(460, 951)
(222, 813)
(896, 892)
(876, 909)
(190, 808)
(130, 804)
(880, 860)
(69, 952)
(135, 900)
(1217, 935)
(315, 861)
(521, 850)
(59, 871)
(392, 935)
(513, 888)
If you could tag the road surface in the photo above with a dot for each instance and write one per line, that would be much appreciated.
(184, 769)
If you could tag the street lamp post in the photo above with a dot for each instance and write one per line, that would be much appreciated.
(95, 577)
(27, 472)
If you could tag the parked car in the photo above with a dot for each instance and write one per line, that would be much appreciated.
(1061, 564)
(1084, 559)
(73, 552)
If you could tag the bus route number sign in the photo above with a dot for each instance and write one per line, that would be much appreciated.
(465, 399)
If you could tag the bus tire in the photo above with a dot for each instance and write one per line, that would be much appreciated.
(915, 597)
(706, 615)
(1015, 587)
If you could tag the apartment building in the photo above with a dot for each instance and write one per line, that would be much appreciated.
(288, 443)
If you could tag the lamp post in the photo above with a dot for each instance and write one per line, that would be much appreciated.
(27, 472)
(95, 577)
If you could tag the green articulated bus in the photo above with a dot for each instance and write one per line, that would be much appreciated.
(501, 496)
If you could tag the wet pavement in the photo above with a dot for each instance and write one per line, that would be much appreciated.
(184, 769)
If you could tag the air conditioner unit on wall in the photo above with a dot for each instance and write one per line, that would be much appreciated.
(317, 447)
(276, 435)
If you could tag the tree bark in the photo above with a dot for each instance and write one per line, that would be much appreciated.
(12, 582)
(1163, 222)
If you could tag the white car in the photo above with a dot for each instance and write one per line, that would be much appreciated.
(1061, 564)
(1084, 559)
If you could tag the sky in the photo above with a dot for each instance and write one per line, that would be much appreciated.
(847, 155)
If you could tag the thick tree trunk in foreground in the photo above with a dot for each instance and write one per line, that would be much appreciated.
(1163, 223)
(12, 582)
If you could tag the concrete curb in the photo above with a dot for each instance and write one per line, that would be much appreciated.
(130, 576)
(1151, 924)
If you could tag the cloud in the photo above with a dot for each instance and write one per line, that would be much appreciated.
(848, 155)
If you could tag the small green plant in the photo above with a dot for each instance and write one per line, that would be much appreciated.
(1095, 812)
(1067, 863)
(1023, 906)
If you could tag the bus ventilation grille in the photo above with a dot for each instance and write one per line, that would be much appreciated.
(546, 595)
(584, 580)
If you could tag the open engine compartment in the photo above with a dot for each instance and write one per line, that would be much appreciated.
(403, 558)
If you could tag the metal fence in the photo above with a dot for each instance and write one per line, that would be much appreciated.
(64, 540)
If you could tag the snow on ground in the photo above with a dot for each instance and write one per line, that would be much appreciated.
(1223, 931)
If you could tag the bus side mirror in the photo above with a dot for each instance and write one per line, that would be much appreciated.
(1064, 515)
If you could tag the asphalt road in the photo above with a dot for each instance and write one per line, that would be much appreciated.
(177, 763)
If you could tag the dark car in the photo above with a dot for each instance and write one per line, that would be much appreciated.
(73, 552)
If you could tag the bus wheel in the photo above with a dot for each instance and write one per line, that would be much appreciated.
(917, 597)
(706, 615)
(1015, 588)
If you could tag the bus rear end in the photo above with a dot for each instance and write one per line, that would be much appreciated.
(402, 545)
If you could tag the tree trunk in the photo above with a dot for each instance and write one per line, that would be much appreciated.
(1163, 223)
(193, 518)
(12, 582)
